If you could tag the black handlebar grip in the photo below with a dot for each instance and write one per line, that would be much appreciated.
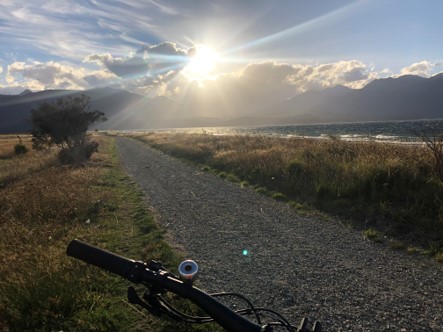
(101, 258)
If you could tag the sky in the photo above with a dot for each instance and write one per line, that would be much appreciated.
(264, 48)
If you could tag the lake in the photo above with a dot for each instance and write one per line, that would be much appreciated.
(390, 131)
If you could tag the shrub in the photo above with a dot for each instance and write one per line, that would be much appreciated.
(20, 148)
(435, 145)
(78, 154)
(65, 124)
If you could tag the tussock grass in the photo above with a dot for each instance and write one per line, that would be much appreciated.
(43, 208)
(373, 235)
(391, 188)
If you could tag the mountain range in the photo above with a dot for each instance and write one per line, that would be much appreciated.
(402, 98)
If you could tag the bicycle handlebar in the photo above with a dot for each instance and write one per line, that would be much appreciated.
(138, 272)
(98, 257)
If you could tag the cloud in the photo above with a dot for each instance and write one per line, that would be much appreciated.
(263, 82)
(423, 68)
(98, 78)
(285, 80)
(163, 8)
(36, 76)
(70, 29)
(149, 60)
(352, 74)
(299, 78)
(269, 73)
(148, 85)
(165, 57)
(145, 71)
(122, 67)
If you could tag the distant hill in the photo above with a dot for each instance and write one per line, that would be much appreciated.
(402, 98)
(25, 92)
(15, 110)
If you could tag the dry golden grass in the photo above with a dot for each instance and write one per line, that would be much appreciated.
(7, 142)
(274, 157)
(13, 167)
(40, 209)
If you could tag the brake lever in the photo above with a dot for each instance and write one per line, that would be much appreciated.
(152, 305)
(156, 266)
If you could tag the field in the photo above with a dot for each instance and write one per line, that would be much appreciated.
(43, 206)
(391, 192)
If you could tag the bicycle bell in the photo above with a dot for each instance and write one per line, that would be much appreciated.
(188, 270)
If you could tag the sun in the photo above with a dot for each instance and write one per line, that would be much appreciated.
(202, 64)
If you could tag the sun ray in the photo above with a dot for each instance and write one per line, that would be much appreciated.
(300, 28)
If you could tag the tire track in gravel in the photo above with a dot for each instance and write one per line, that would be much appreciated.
(299, 266)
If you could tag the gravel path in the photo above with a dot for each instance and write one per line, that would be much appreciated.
(300, 266)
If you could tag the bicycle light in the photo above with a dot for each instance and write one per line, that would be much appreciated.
(188, 270)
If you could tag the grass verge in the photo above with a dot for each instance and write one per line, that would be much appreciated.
(41, 209)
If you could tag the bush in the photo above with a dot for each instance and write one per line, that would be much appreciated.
(65, 124)
(20, 148)
(78, 154)
(435, 145)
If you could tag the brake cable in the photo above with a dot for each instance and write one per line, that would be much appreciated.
(247, 301)
(155, 304)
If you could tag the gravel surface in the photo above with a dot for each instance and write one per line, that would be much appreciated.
(299, 266)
